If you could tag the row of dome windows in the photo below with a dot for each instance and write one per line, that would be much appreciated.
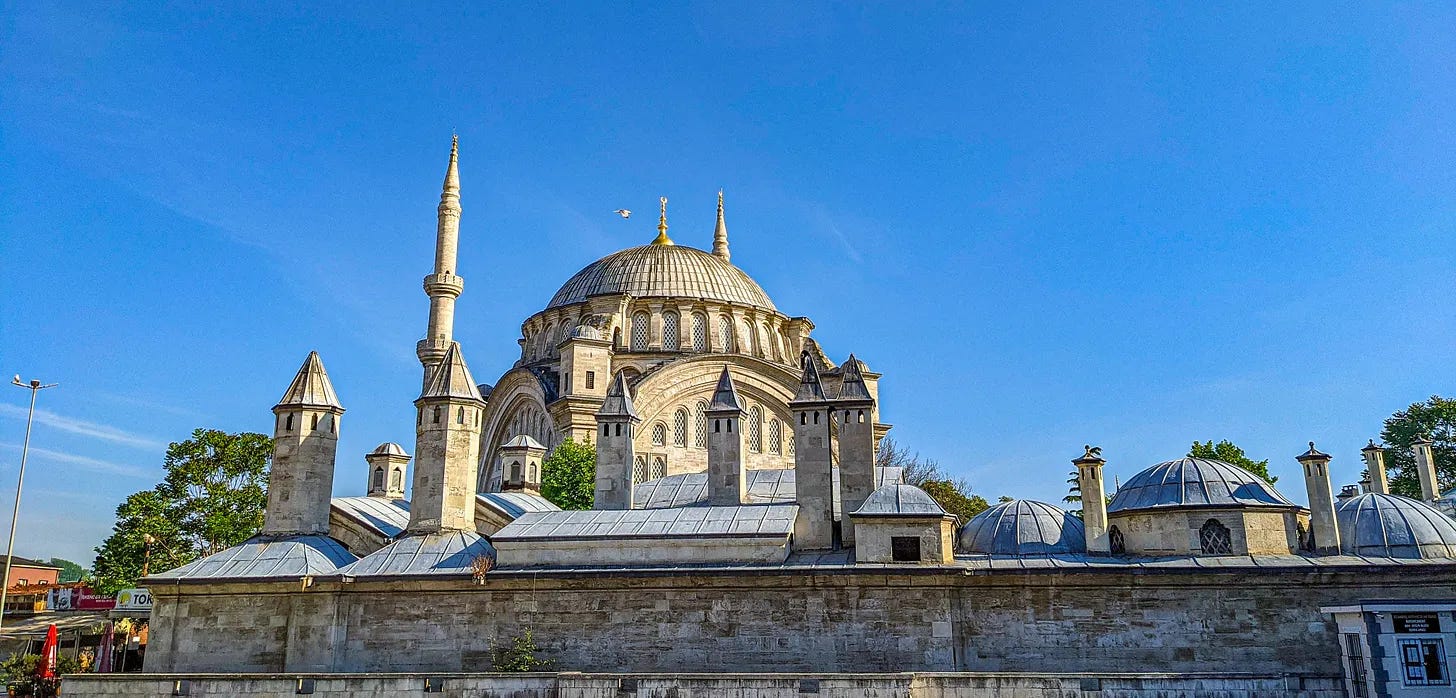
(757, 339)
(762, 437)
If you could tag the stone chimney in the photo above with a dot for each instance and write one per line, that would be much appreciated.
(305, 442)
(727, 482)
(1325, 533)
(854, 410)
(1426, 468)
(447, 448)
(616, 423)
(1375, 465)
(813, 467)
(1094, 501)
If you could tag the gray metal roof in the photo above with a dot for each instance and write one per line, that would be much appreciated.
(266, 557)
(445, 553)
(388, 517)
(773, 486)
(1196, 482)
(662, 271)
(1024, 527)
(899, 500)
(619, 399)
(725, 397)
(1389, 525)
(755, 520)
(311, 386)
(852, 386)
(523, 441)
(513, 504)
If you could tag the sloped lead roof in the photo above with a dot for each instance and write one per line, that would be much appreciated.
(853, 387)
(725, 398)
(387, 517)
(619, 399)
(388, 449)
(1024, 527)
(770, 486)
(899, 500)
(1196, 482)
(444, 553)
(266, 557)
(513, 504)
(311, 386)
(522, 441)
(752, 520)
(451, 379)
(662, 271)
(1389, 525)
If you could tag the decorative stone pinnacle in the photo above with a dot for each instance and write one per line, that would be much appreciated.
(662, 238)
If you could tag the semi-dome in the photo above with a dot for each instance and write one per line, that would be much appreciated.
(1196, 482)
(1389, 525)
(661, 271)
(1024, 527)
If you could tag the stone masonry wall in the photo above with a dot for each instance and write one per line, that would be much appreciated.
(895, 619)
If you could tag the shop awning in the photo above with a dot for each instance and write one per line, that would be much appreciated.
(66, 623)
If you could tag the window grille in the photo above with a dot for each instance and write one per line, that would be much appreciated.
(700, 332)
(791, 445)
(905, 548)
(659, 468)
(639, 331)
(1424, 662)
(591, 380)
(680, 427)
(1214, 538)
(775, 436)
(701, 418)
(669, 332)
(755, 429)
(659, 434)
(1355, 663)
(639, 469)
(725, 333)
(1115, 542)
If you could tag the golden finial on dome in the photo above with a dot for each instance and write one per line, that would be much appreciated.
(662, 238)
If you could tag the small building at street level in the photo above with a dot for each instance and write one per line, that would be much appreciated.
(741, 522)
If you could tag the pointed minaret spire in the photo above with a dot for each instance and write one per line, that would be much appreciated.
(662, 238)
(853, 385)
(720, 234)
(443, 286)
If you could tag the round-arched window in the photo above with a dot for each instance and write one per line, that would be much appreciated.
(669, 332)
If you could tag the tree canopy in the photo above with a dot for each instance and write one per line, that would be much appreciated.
(1435, 419)
(70, 571)
(1227, 452)
(953, 494)
(569, 474)
(212, 497)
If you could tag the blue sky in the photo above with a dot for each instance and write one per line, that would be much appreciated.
(1046, 225)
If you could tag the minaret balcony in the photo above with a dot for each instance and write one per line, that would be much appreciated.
(444, 285)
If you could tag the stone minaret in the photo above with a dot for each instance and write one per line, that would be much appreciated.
(720, 234)
(727, 483)
(443, 286)
(616, 422)
(1094, 499)
(447, 448)
(387, 463)
(305, 440)
(1375, 463)
(1321, 501)
(813, 468)
(1426, 468)
(855, 411)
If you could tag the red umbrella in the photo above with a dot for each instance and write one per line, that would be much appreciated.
(108, 643)
(48, 655)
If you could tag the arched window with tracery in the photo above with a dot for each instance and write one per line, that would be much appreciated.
(700, 332)
(640, 322)
(755, 429)
(669, 332)
(725, 333)
(1214, 538)
(775, 436)
(1116, 544)
(659, 434)
(659, 468)
(680, 427)
(700, 418)
(639, 469)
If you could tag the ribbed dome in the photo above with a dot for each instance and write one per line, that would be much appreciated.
(659, 271)
(1196, 482)
(1024, 527)
(1388, 525)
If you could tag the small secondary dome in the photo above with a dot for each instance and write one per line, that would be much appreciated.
(1196, 482)
(662, 271)
(388, 449)
(1389, 525)
(899, 500)
(1024, 527)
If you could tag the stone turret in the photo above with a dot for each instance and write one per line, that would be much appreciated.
(1375, 463)
(813, 468)
(616, 423)
(1094, 499)
(387, 463)
(305, 442)
(444, 285)
(447, 448)
(855, 411)
(1323, 530)
(521, 464)
(1426, 468)
(727, 483)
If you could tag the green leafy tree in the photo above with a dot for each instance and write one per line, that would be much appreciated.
(212, 497)
(955, 497)
(70, 571)
(569, 475)
(1227, 452)
(519, 655)
(1434, 419)
(953, 494)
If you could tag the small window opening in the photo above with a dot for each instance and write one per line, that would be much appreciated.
(717, 426)
(437, 415)
(619, 430)
(1214, 538)
(460, 416)
(905, 548)
(379, 478)
(289, 424)
(591, 379)
(313, 425)
(606, 430)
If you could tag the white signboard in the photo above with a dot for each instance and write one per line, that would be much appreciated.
(133, 600)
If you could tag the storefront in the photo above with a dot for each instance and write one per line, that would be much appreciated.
(1397, 649)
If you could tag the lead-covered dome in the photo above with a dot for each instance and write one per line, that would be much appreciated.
(1024, 527)
(1388, 525)
(1196, 482)
(661, 271)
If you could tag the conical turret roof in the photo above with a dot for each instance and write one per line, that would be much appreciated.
(311, 387)
(853, 386)
(619, 399)
(451, 378)
(810, 388)
(725, 398)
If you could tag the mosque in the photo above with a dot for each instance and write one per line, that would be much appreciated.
(741, 524)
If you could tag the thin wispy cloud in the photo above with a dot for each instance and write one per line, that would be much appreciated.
(82, 427)
(84, 462)
(150, 404)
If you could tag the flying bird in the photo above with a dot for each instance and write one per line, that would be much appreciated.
(623, 212)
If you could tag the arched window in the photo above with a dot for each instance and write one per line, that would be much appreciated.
(659, 434)
(396, 480)
(659, 468)
(669, 332)
(640, 321)
(313, 426)
(639, 469)
(1214, 538)
(548, 341)
(616, 336)
(378, 479)
(791, 445)
(700, 332)
(1115, 542)
(531, 473)
(288, 424)
(700, 417)
(775, 436)
(725, 333)
(751, 348)
(773, 344)
(680, 427)
(755, 429)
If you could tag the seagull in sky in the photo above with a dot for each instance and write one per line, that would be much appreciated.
(623, 213)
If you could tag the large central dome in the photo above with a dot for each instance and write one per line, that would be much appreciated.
(658, 271)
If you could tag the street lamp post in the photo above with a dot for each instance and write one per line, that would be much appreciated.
(34, 387)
